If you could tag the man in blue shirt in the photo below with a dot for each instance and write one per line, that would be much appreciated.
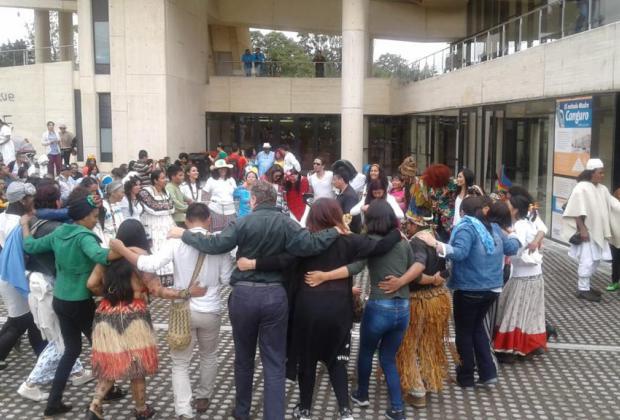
(259, 61)
(265, 159)
(247, 59)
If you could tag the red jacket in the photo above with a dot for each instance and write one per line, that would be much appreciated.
(295, 199)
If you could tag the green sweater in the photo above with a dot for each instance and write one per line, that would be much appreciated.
(395, 263)
(76, 250)
(180, 206)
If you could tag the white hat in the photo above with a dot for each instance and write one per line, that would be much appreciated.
(594, 164)
(43, 160)
(219, 164)
(266, 146)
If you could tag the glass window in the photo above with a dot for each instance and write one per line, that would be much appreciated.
(101, 36)
(105, 127)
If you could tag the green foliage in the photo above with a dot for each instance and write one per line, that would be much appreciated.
(285, 57)
(14, 54)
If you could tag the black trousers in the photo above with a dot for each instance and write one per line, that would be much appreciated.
(66, 156)
(14, 328)
(472, 341)
(615, 264)
(75, 318)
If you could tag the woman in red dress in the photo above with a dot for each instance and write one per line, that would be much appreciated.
(296, 186)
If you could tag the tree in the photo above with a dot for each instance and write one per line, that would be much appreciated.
(329, 45)
(285, 57)
(392, 65)
(14, 53)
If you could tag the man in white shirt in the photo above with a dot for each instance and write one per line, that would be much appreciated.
(66, 182)
(205, 310)
(290, 161)
(51, 140)
(321, 180)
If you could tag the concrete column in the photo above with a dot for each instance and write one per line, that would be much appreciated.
(354, 50)
(88, 95)
(42, 36)
(65, 35)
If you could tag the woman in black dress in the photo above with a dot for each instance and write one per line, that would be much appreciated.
(323, 315)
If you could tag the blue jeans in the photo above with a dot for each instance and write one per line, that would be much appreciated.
(472, 341)
(259, 314)
(383, 325)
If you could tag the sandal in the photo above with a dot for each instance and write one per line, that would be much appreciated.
(201, 405)
(147, 413)
(96, 414)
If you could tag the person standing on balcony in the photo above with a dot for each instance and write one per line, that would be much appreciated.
(259, 61)
(51, 140)
(7, 147)
(247, 59)
(319, 64)
(66, 143)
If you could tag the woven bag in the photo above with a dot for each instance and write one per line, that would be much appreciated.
(179, 323)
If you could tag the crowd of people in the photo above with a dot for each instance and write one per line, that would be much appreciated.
(306, 257)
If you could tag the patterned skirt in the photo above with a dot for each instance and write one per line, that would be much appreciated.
(520, 324)
(124, 342)
(219, 221)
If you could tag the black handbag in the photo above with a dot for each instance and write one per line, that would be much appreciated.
(575, 239)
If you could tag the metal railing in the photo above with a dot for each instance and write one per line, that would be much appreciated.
(28, 56)
(548, 23)
(273, 68)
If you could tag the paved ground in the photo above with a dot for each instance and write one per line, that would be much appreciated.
(578, 378)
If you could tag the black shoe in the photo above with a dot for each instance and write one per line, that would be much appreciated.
(506, 358)
(146, 414)
(61, 408)
(359, 400)
(395, 415)
(91, 415)
(115, 393)
(596, 291)
(551, 330)
(588, 295)
(3, 365)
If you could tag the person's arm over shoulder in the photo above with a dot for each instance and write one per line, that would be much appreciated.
(460, 246)
(213, 244)
(93, 250)
(510, 243)
(368, 247)
(38, 246)
(302, 243)
(165, 254)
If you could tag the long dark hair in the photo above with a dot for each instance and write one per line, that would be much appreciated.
(469, 177)
(293, 185)
(375, 184)
(382, 176)
(117, 278)
(128, 186)
(380, 218)
(500, 214)
(188, 181)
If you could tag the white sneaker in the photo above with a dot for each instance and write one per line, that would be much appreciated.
(82, 378)
(33, 392)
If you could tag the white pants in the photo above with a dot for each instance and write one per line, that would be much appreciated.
(589, 256)
(205, 330)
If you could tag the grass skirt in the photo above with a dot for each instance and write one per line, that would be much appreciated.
(124, 342)
(422, 360)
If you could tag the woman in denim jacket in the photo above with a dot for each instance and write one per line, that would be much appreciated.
(477, 250)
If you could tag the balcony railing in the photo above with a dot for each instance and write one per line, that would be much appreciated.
(553, 21)
(278, 69)
(28, 56)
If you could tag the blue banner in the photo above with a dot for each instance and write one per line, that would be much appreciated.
(574, 113)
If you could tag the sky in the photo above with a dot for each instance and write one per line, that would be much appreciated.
(14, 21)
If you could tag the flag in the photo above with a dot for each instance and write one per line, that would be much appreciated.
(503, 182)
